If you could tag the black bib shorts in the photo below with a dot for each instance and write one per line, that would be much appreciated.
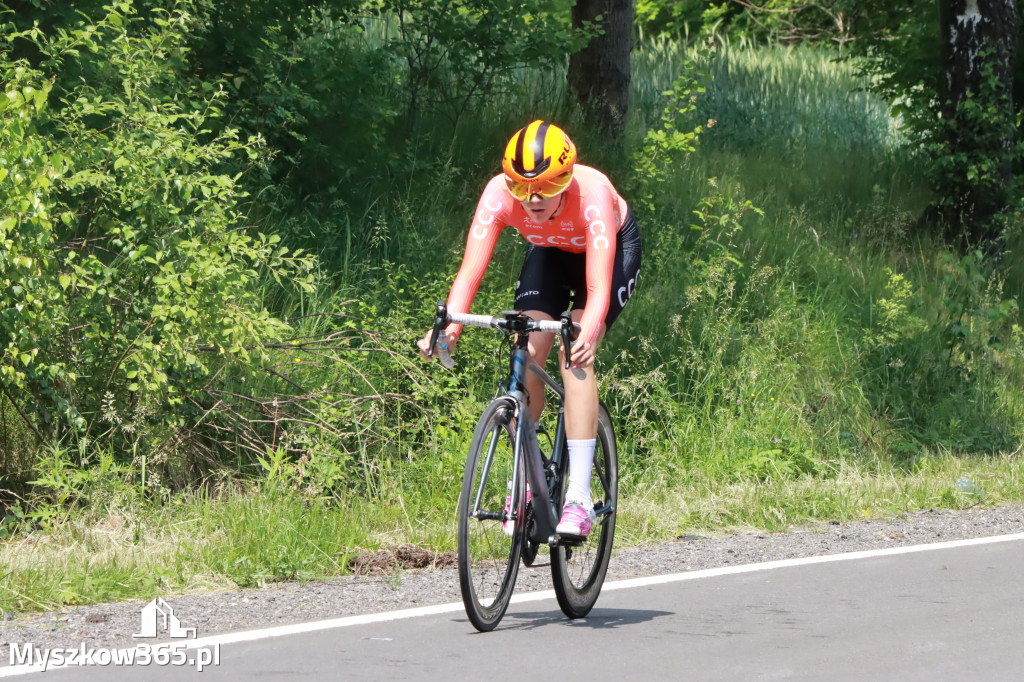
(554, 281)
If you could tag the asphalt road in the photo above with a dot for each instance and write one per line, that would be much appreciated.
(949, 613)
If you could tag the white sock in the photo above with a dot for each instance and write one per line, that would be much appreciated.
(581, 460)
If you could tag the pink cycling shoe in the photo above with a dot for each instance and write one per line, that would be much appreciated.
(577, 519)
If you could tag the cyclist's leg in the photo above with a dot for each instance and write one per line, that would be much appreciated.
(581, 396)
(581, 413)
(540, 348)
(542, 292)
(581, 399)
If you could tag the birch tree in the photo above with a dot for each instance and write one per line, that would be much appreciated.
(978, 114)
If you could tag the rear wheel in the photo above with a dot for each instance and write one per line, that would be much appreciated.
(578, 567)
(488, 555)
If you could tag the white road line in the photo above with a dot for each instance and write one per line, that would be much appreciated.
(367, 619)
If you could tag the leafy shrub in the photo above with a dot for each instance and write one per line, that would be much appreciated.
(128, 271)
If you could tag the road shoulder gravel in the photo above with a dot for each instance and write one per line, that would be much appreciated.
(112, 625)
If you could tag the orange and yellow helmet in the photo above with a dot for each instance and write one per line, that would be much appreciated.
(538, 160)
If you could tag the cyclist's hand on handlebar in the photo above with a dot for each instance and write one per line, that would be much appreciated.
(424, 345)
(583, 355)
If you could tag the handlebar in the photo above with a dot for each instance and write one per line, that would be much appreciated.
(513, 321)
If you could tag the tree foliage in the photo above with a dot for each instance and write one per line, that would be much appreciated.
(776, 21)
(956, 101)
(456, 52)
(123, 250)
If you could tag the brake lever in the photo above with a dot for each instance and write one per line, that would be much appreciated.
(568, 332)
(440, 322)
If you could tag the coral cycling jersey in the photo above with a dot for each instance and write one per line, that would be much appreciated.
(588, 222)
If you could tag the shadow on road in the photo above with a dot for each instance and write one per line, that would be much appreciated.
(599, 619)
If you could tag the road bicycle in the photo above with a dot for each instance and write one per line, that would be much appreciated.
(512, 493)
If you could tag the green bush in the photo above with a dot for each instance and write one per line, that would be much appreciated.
(129, 274)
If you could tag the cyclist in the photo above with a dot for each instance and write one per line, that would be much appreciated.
(584, 252)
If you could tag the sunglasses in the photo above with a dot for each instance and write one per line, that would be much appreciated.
(523, 191)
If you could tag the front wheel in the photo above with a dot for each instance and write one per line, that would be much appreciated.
(488, 548)
(578, 568)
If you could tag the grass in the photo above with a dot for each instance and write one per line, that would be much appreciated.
(243, 538)
(253, 537)
(815, 359)
(778, 505)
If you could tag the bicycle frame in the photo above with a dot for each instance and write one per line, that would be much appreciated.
(527, 449)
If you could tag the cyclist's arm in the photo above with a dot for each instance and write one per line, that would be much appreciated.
(488, 222)
(601, 235)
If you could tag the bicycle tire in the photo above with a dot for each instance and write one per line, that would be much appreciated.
(488, 558)
(578, 568)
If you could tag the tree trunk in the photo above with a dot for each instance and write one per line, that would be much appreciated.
(980, 38)
(599, 73)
